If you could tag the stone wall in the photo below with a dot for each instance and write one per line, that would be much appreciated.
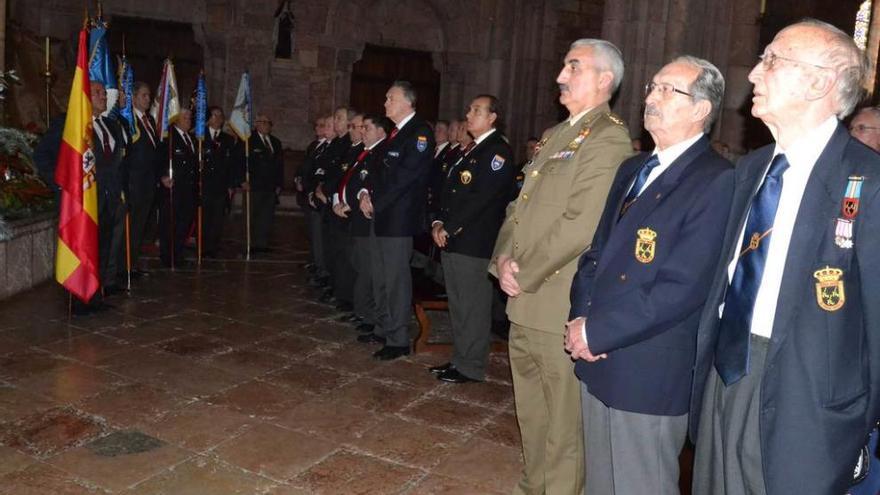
(29, 257)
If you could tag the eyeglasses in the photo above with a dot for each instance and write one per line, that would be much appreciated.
(864, 128)
(768, 61)
(665, 89)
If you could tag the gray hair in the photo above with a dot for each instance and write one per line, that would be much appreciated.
(872, 110)
(709, 86)
(844, 57)
(608, 54)
(409, 92)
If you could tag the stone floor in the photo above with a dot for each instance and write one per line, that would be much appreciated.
(231, 380)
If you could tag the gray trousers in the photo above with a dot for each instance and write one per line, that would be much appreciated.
(728, 454)
(470, 308)
(629, 453)
(362, 258)
(392, 283)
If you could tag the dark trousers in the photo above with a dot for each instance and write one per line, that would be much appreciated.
(316, 239)
(362, 259)
(183, 212)
(262, 216)
(337, 252)
(140, 208)
(213, 217)
(470, 292)
(111, 236)
(392, 280)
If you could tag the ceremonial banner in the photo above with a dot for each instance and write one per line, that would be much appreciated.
(101, 64)
(126, 84)
(166, 106)
(76, 260)
(241, 119)
(201, 107)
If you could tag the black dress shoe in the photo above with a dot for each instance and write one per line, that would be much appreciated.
(452, 375)
(390, 352)
(440, 369)
(353, 318)
(347, 318)
(365, 328)
(371, 338)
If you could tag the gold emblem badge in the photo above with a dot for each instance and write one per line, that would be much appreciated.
(829, 288)
(466, 177)
(345, 167)
(645, 245)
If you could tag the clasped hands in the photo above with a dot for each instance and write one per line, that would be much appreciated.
(575, 343)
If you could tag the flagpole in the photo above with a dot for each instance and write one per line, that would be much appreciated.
(247, 194)
(171, 197)
(201, 200)
(128, 247)
(48, 76)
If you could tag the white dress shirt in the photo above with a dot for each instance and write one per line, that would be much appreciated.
(666, 158)
(405, 120)
(802, 157)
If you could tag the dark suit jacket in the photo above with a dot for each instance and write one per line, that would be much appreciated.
(218, 163)
(145, 161)
(400, 190)
(184, 162)
(820, 395)
(362, 179)
(476, 195)
(109, 167)
(266, 166)
(303, 173)
(644, 313)
(436, 181)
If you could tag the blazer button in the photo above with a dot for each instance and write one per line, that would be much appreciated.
(534, 173)
(595, 263)
(623, 277)
(516, 220)
(515, 245)
(525, 197)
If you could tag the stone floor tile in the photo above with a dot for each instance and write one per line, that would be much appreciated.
(16, 402)
(116, 467)
(502, 429)
(490, 394)
(291, 346)
(483, 463)
(19, 365)
(355, 474)
(353, 358)
(408, 443)
(498, 368)
(195, 345)
(239, 333)
(88, 349)
(12, 460)
(306, 377)
(285, 489)
(250, 362)
(71, 382)
(328, 331)
(46, 433)
(274, 452)
(410, 374)
(42, 479)
(375, 396)
(203, 475)
(148, 332)
(448, 414)
(443, 485)
(198, 426)
(328, 419)
(258, 398)
(132, 405)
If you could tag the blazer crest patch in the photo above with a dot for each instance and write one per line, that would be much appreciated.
(830, 294)
(422, 143)
(497, 163)
(466, 177)
(645, 245)
(364, 174)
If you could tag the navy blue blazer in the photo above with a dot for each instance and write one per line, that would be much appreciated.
(642, 283)
(820, 394)
(400, 184)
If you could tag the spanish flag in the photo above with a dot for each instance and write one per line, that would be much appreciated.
(76, 261)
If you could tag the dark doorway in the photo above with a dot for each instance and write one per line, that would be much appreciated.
(148, 42)
(380, 66)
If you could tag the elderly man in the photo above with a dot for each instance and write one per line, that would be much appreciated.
(546, 229)
(177, 199)
(145, 159)
(865, 127)
(266, 169)
(786, 370)
(216, 179)
(642, 283)
(397, 202)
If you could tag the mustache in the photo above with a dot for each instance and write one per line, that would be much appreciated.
(563, 87)
(652, 110)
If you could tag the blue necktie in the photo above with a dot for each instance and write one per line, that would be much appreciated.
(639, 183)
(732, 348)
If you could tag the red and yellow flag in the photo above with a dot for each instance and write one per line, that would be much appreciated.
(76, 261)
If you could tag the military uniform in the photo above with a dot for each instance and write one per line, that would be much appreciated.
(548, 226)
(217, 179)
(184, 166)
(476, 192)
